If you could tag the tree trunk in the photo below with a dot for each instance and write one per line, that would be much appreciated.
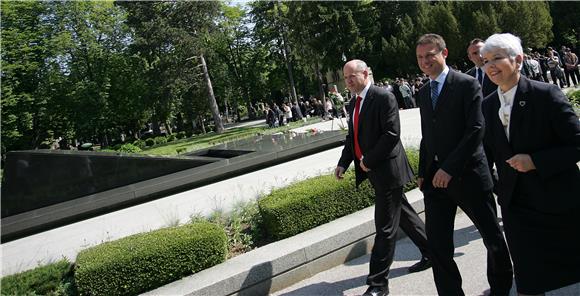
(215, 112)
(321, 89)
(168, 127)
(226, 110)
(286, 49)
(202, 124)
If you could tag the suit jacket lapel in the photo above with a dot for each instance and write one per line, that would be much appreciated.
(367, 101)
(518, 108)
(446, 86)
(362, 113)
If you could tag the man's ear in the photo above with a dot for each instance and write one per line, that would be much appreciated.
(519, 59)
(445, 52)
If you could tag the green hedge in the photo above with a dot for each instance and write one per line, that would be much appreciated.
(160, 140)
(149, 142)
(51, 279)
(129, 148)
(145, 261)
(313, 202)
(309, 203)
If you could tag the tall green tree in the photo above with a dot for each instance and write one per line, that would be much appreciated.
(24, 50)
(565, 15)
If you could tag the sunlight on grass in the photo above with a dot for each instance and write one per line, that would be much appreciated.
(211, 139)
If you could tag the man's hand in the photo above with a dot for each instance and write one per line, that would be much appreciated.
(522, 163)
(339, 173)
(441, 179)
(363, 167)
(420, 183)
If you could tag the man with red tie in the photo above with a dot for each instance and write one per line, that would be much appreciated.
(373, 143)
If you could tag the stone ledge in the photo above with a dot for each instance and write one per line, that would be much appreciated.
(280, 264)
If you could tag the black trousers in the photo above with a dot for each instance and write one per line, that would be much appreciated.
(391, 211)
(440, 210)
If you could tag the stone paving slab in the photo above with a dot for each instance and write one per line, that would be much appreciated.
(470, 255)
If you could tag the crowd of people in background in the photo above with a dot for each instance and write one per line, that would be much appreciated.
(558, 67)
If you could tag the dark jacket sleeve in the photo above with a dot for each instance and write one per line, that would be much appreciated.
(390, 130)
(347, 154)
(473, 133)
(564, 122)
(488, 139)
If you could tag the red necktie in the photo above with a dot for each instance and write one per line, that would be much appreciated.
(357, 151)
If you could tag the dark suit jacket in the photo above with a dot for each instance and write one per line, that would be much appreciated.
(379, 139)
(544, 125)
(454, 132)
(488, 86)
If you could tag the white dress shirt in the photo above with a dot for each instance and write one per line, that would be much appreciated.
(506, 100)
(363, 95)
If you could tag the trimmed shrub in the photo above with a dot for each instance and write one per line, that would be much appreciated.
(574, 97)
(145, 261)
(413, 156)
(181, 135)
(150, 142)
(129, 148)
(310, 203)
(313, 202)
(140, 143)
(171, 138)
(160, 140)
(51, 279)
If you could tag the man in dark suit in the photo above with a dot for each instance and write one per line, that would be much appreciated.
(373, 143)
(453, 169)
(487, 86)
(533, 135)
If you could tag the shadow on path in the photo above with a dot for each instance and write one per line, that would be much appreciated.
(406, 251)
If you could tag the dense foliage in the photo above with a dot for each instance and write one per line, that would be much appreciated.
(145, 261)
(113, 72)
(51, 279)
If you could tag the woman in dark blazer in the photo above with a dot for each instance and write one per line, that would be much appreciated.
(533, 136)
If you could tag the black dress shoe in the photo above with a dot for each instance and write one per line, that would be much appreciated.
(421, 265)
(377, 291)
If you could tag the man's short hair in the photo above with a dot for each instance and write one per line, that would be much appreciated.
(432, 39)
(506, 41)
(475, 41)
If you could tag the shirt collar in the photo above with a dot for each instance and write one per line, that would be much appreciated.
(363, 93)
(441, 78)
(507, 98)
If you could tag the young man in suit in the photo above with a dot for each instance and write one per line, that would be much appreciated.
(373, 143)
(533, 135)
(487, 86)
(453, 169)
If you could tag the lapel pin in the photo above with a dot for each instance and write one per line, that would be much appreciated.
(522, 103)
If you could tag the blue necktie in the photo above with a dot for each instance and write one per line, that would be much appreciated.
(434, 93)
(480, 76)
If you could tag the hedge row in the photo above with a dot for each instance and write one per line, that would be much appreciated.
(142, 144)
(313, 202)
(145, 261)
(51, 279)
(307, 204)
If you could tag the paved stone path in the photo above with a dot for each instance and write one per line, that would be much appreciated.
(470, 255)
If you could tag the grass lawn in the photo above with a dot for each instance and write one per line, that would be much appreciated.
(212, 138)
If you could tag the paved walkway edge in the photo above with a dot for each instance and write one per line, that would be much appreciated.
(283, 263)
